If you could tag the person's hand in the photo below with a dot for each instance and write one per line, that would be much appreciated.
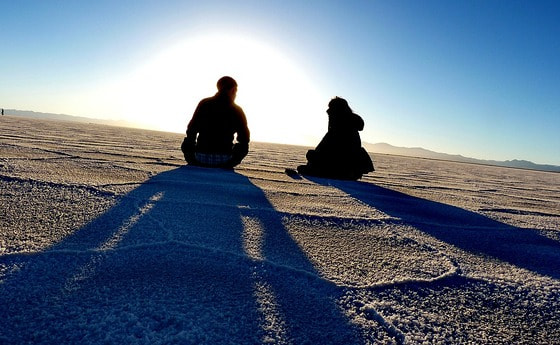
(188, 150)
(190, 157)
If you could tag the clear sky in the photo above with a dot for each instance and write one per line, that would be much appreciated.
(478, 78)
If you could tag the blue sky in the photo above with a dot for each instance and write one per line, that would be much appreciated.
(477, 78)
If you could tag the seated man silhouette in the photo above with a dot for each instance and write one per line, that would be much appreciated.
(217, 134)
(340, 154)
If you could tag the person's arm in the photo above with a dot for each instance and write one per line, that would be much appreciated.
(241, 147)
(192, 127)
(189, 143)
(243, 133)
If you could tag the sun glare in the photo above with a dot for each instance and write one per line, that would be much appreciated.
(281, 103)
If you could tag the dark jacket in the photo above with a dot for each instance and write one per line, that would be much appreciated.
(342, 137)
(214, 124)
(340, 153)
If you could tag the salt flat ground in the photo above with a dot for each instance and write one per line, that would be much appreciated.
(106, 237)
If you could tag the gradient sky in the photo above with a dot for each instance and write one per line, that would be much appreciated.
(478, 78)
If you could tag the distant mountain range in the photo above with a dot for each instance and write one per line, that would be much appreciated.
(423, 153)
(379, 147)
(62, 117)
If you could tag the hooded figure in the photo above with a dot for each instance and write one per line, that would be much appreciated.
(340, 153)
(217, 134)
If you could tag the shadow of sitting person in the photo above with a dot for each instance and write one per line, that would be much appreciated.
(193, 255)
(467, 230)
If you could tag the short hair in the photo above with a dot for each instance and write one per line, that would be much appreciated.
(226, 83)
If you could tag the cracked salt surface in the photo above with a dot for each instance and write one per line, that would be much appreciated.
(106, 237)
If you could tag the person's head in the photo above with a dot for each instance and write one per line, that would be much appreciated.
(339, 105)
(227, 86)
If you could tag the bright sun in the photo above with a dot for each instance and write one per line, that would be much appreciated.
(281, 103)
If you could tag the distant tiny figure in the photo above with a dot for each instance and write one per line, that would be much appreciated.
(340, 154)
(217, 134)
(2, 111)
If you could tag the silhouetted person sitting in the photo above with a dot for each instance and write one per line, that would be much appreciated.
(340, 154)
(217, 135)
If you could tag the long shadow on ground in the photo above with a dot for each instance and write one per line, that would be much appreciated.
(467, 230)
(194, 256)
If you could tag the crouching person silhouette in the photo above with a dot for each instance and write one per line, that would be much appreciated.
(217, 134)
(340, 154)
